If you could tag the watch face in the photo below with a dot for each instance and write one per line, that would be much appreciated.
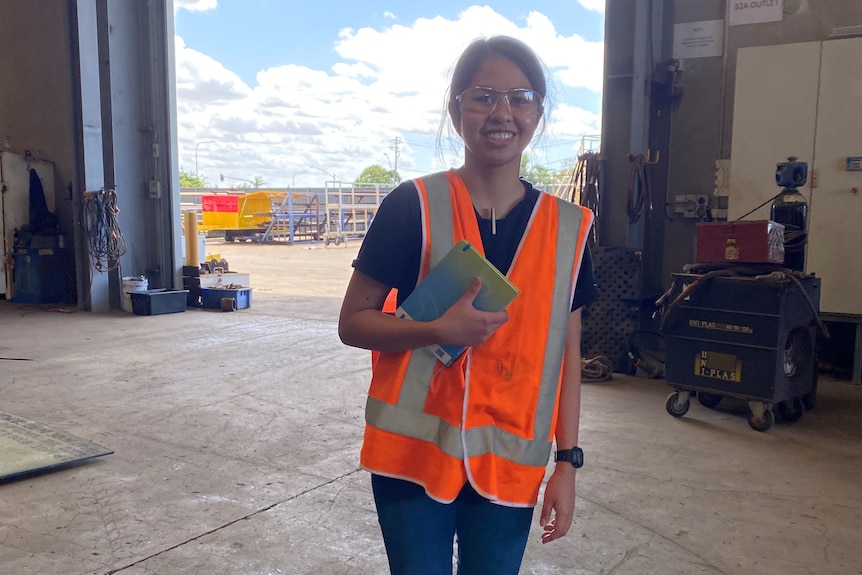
(577, 457)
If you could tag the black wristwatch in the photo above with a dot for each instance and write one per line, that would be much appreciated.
(575, 456)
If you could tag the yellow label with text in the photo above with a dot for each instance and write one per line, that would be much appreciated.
(716, 365)
(701, 324)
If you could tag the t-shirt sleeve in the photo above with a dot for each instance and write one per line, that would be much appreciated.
(392, 245)
(586, 290)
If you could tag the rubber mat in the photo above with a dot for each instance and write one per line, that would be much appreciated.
(29, 447)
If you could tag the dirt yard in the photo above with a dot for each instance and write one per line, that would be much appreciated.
(301, 280)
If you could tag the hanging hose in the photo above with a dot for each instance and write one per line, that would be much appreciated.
(585, 189)
(649, 359)
(639, 188)
(105, 242)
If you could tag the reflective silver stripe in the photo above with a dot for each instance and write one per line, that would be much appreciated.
(415, 424)
(423, 215)
(570, 216)
(420, 372)
(439, 208)
(407, 417)
(440, 215)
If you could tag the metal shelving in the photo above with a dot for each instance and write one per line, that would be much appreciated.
(350, 209)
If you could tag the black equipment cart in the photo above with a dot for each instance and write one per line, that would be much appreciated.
(747, 333)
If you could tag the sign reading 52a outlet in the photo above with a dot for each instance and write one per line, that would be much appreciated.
(755, 11)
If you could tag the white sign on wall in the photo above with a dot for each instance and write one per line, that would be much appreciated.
(755, 11)
(698, 39)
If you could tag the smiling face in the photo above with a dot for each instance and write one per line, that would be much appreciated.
(499, 137)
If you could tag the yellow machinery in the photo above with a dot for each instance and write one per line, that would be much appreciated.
(263, 216)
(237, 216)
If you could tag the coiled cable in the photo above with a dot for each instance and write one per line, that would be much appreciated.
(639, 188)
(585, 191)
(105, 242)
(596, 369)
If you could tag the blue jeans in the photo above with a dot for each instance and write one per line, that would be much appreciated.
(418, 532)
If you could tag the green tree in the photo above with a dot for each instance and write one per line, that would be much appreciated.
(190, 180)
(258, 182)
(377, 174)
(535, 174)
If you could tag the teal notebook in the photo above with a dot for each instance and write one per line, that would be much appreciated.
(447, 282)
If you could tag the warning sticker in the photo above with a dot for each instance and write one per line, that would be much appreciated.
(718, 366)
(699, 323)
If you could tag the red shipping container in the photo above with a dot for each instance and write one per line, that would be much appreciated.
(757, 241)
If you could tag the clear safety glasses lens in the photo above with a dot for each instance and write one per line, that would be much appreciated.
(485, 100)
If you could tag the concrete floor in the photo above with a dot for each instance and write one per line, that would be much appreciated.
(236, 439)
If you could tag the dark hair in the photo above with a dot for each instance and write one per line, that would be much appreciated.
(468, 65)
(483, 49)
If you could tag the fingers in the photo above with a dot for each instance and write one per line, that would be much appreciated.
(463, 324)
(556, 528)
(545, 517)
(472, 291)
(556, 518)
(548, 533)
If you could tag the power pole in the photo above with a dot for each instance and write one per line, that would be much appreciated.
(394, 149)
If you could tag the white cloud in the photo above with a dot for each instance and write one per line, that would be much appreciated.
(387, 83)
(195, 5)
(594, 5)
(390, 15)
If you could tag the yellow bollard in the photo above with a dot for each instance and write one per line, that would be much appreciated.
(191, 233)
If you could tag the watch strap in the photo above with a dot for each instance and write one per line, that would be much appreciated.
(575, 456)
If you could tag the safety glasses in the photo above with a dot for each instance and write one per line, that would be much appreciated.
(481, 99)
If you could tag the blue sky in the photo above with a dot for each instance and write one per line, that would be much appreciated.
(292, 91)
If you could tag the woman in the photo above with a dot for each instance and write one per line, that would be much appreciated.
(459, 452)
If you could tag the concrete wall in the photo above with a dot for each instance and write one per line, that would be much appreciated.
(36, 90)
(693, 128)
(88, 85)
(703, 118)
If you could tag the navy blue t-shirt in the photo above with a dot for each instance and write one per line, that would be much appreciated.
(392, 247)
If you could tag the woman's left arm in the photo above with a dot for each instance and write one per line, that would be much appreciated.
(558, 507)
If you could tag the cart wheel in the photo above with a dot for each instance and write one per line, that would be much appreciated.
(764, 423)
(675, 408)
(326, 241)
(337, 240)
(791, 410)
(708, 399)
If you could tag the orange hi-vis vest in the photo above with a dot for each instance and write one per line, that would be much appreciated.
(488, 418)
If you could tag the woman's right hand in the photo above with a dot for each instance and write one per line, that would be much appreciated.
(463, 324)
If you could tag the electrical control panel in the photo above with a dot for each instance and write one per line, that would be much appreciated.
(691, 205)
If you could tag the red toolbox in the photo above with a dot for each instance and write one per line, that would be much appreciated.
(756, 241)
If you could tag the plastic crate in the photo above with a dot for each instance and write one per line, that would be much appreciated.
(158, 301)
(211, 297)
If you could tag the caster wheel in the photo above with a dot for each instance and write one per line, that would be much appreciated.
(791, 410)
(675, 408)
(764, 424)
(326, 241)
(337, 241)
(708, 399)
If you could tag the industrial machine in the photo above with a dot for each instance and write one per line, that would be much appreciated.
(741, 322)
